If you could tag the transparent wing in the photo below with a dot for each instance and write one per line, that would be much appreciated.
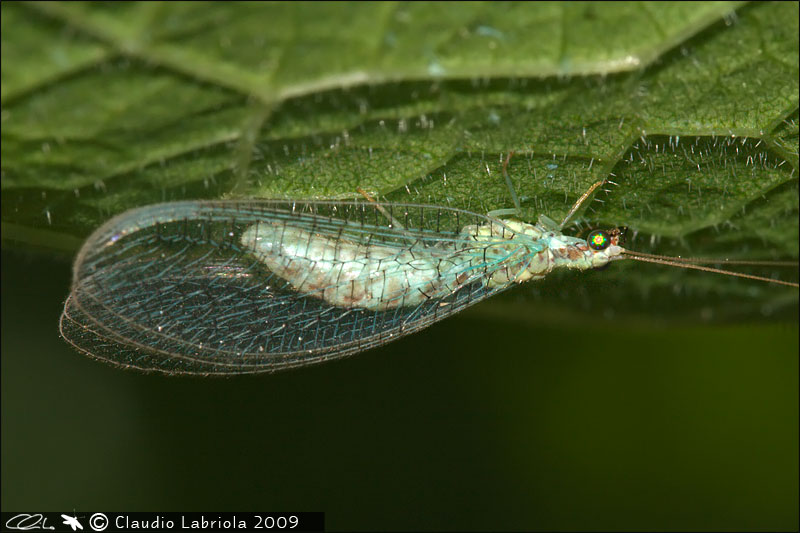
(261, 285)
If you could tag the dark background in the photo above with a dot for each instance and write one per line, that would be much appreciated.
(479, 422)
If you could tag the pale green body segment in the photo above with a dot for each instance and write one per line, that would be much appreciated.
(349, 274)
(380, 277)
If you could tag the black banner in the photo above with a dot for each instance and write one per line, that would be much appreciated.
(186, 522)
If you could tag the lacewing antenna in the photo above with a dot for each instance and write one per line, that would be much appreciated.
(682, 263)
(712, 261)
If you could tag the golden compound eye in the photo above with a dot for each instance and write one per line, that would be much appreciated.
(598, 240)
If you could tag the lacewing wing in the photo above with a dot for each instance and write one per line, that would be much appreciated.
(230, 287)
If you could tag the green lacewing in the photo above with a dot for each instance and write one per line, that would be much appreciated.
(244, 286)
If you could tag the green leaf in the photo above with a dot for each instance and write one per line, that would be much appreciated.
(691, 109)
